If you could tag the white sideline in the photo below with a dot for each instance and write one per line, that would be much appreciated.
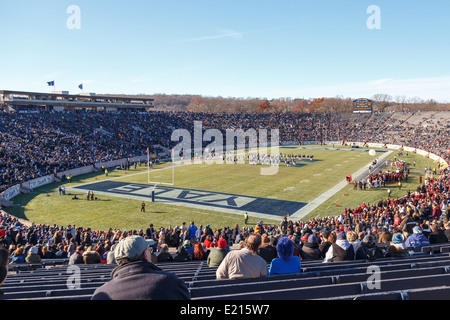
(331, 192)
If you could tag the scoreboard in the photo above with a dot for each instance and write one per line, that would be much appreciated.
(362, 106)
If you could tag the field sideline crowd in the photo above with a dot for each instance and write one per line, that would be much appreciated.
(38, 144)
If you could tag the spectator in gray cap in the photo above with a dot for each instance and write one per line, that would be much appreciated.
(136, 278)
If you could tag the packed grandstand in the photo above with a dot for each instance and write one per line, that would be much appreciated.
(38, 144)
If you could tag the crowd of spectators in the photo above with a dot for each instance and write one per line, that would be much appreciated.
(38, 144)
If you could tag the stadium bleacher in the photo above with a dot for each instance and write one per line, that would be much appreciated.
(338, 280)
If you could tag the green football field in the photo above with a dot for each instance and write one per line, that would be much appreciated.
(302, 183)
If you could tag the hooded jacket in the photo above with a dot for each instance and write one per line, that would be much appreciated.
(416, 239)
(342, 244)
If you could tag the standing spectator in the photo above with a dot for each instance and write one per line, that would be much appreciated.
(287, 262)
(136, 278)
(244, 263)
(192, 230)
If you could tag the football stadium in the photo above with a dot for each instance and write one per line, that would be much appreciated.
(125, 196)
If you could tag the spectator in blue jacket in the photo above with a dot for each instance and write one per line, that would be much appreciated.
(417, 238)
(287, 262)
(192, 230)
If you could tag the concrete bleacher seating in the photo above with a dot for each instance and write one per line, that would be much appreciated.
(401, 278)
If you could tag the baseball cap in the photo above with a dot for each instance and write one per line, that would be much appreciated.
(131, 246)
(341, 236)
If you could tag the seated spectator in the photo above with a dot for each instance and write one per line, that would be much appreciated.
(369, 249)
(352, 237)
(447, 230)
(62, 252)
(182, 255)
(287, 262)
(310, 248)
(91, 256)
(267, 251)
(4, 258)
(385, 235)
(217, 254)
(244, 263)
(110, 256)
(417, 239)
(136, 278)
(19, 255)
(33, 255)
(437, 234)
(209, 242)
(327, 239)
(341, 250)
(188, 247)
(164, 255)
(77, 257)
(199, 253)
(50, 252)
(397, 247)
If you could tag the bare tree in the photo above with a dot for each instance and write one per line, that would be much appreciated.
(382, 100)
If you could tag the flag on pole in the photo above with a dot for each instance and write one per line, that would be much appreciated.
(51, 83)
(80, 86)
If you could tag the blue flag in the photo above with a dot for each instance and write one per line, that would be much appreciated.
(80, 86)
(51, 83)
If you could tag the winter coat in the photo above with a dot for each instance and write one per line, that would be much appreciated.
(142, 280)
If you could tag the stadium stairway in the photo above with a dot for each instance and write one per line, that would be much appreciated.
(400, 278)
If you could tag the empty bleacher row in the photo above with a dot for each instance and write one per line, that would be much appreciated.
(418, 276)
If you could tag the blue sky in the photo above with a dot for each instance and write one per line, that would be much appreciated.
(247, 48)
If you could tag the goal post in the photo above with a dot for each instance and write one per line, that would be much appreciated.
(172, 183)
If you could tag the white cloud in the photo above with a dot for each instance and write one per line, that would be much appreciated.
(224, 33)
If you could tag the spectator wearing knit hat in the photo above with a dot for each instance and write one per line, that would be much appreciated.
(287, 262)
(397, 247)
(310, 248)
(217, 254)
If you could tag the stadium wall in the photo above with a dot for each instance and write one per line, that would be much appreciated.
(28, 186)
